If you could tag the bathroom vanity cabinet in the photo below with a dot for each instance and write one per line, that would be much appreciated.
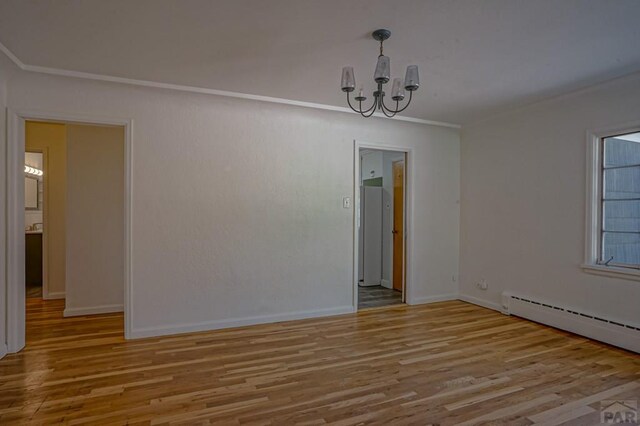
(33, 257)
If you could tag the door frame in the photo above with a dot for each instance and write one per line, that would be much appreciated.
(16, 308)
(408, 214)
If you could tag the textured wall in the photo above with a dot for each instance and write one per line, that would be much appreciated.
(237, 205)
(95, 219)
(523, 202)
(5, 69)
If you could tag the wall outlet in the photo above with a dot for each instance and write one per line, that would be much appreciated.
(482, 284)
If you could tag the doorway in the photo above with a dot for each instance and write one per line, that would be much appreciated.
(82, 221)
(90, 154)
(34, 196)
(381, 217)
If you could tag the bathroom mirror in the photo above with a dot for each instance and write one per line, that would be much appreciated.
(31, 193)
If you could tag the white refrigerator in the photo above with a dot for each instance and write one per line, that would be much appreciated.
(370, 236)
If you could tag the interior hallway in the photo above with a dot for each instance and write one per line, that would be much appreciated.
(447, 363)
(376, 296)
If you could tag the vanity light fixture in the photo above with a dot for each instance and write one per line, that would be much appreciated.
(32, 171)
(381, 76)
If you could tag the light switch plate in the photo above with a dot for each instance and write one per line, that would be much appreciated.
(346, 202)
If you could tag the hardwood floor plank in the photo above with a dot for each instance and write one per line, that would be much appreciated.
(446, 363)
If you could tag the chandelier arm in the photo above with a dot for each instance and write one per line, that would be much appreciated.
(368, 113)
(373, 106)
(371, 110)
(360, 111)
(397, 110)
(385, 109)
(351, 106)
(408, 102)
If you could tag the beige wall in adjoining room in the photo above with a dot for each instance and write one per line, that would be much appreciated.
(50, 139)
(95, 219)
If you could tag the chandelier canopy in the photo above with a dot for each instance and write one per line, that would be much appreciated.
(381, 76)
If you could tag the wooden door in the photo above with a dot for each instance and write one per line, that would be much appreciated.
(398, 225)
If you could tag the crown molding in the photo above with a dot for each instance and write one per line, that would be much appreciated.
(202, 90)
(9, 54)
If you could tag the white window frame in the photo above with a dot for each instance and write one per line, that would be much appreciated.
(593, 216)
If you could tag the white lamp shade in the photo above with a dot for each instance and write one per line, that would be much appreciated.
(348, 80)
(412, 79)
(383, 70)
(397, 91)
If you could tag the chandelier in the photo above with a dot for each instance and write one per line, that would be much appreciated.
(381, 77)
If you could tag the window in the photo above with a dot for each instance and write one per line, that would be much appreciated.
(613, 203)
(620, 201)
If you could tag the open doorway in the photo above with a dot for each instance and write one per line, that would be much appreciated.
(34, 223)
(381, 225)
(74, 217)
(74, 220)
(68, 222)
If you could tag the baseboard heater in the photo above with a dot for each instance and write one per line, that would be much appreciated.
(606, 330)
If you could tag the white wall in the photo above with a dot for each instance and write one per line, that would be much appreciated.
(95, 219)
(6, 68)
(237, 205)
(523, 202)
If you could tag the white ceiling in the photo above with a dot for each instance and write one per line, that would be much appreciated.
(476, 57)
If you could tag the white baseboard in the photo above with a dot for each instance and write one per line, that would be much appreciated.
(92, 310)
(432, 299)
(236, 322)
(385, 283)
(481, 302)
(3, 350)
(54, 295)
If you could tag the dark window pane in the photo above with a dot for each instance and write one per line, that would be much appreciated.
(622, 183)
(625, 248)
(622, 150)
(621, 216)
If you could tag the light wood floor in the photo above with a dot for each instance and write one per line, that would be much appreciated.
(444, 363)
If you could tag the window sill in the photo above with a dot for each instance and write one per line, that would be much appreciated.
(612, 271)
